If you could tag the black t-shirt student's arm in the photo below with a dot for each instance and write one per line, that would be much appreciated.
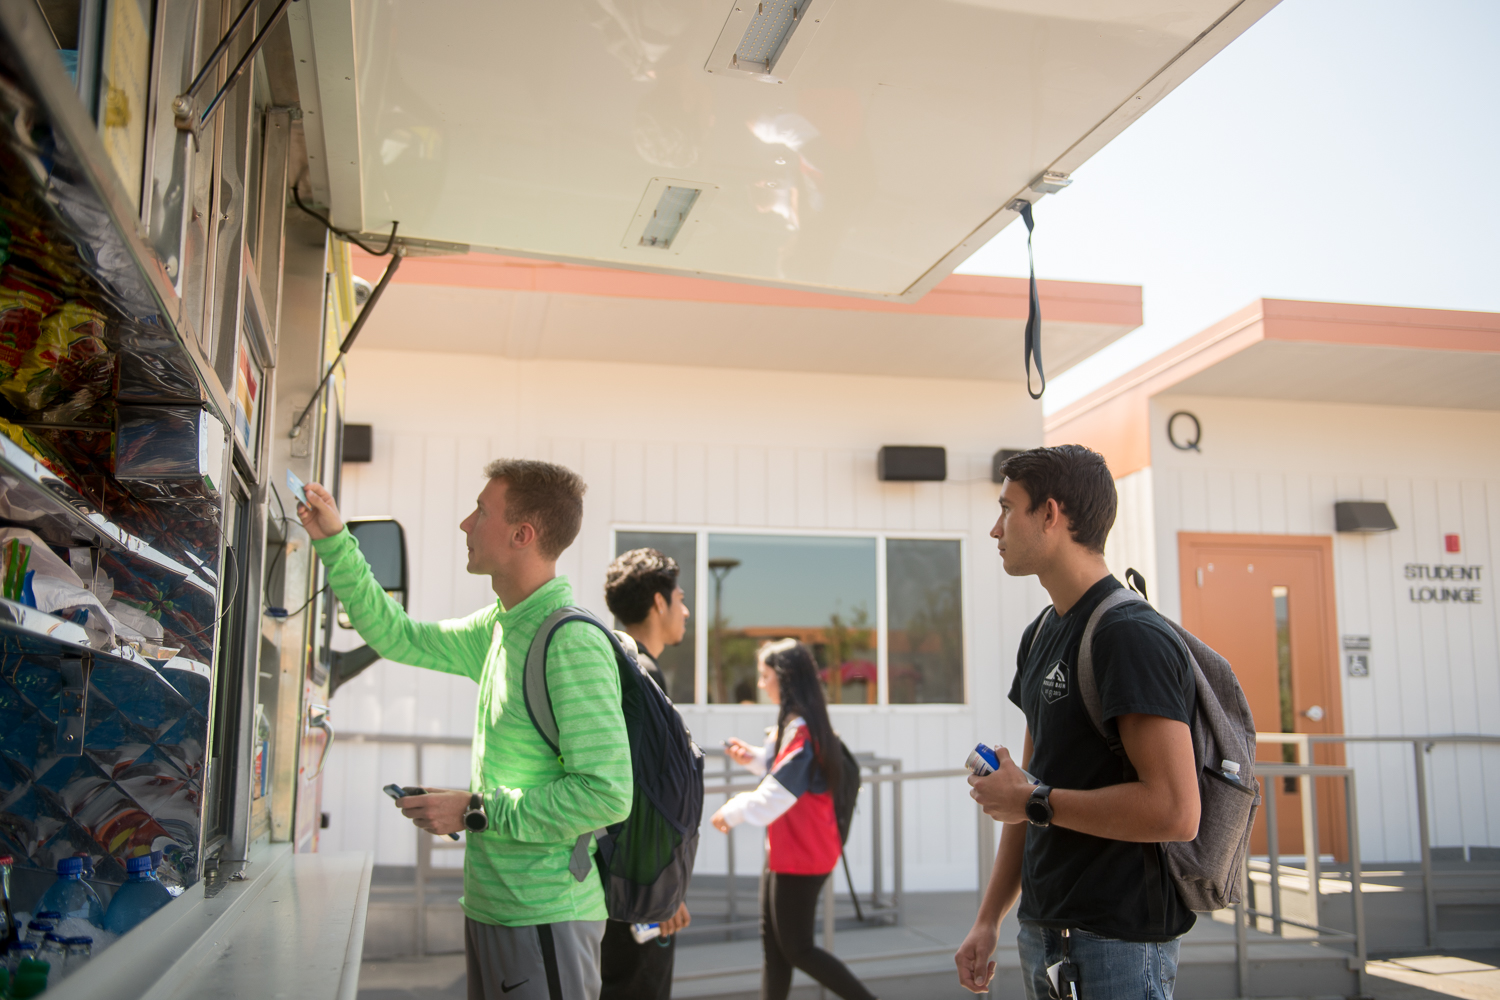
(1072, 879)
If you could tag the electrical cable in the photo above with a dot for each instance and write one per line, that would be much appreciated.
(390, 242)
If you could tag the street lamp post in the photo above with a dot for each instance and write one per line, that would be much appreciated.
(720, 568)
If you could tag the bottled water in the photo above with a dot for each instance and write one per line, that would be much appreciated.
(18, 951)
(1230, 769)
(37, 931)
(71, 896)
(142, 895)
(51, 951)
(76, 953)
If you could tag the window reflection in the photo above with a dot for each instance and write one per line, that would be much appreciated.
(678, 663)
(818, 590)
(925, 627)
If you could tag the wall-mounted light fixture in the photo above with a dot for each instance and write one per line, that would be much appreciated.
(899, 463)
(1000, 458)
(1362, 516)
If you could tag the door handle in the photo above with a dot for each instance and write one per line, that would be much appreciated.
(317, 718)
(1314, 713)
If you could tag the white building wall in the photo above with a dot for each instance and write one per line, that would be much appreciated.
(692, 447)
(1277, 467)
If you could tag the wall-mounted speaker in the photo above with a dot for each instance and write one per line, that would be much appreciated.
(901, 463)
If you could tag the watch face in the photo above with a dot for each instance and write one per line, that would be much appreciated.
(1038, 811)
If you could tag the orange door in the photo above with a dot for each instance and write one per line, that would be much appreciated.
(1266, 603)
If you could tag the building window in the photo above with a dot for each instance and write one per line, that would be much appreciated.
(883, 615)
(815, 589)
(678, 663)
(926, 625)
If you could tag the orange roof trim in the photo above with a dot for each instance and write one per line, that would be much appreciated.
(970, 295)
(1115, 418)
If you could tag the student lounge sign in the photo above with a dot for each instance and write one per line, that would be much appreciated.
(1432, 583)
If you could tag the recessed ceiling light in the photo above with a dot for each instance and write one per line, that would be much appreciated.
(668, 213)
(764, 39)
(667, 217)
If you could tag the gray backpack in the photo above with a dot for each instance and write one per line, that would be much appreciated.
(1207, 870)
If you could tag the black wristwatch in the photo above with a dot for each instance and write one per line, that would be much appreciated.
(474, 818)
(1039, 806)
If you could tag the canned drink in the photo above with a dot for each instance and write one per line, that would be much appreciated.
(645, 932)
(983, 760)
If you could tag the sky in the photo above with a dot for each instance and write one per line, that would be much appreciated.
(1340, 150)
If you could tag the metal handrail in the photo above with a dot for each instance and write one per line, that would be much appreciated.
(1421, 745)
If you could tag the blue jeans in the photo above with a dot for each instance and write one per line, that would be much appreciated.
(1108, 968)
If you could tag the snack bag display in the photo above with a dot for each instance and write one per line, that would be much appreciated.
(68, 356)
(39, 450)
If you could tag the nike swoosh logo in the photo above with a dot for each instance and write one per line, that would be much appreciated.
(514, 986)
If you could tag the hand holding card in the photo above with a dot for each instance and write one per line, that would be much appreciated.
(298, 488)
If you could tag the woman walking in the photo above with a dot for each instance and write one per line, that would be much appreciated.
(794, 801)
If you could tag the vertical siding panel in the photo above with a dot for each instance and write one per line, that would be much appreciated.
(927, 506)
(630, 482)
(751, 496)
(1246, 491)
(1219, 500)
(900, 505)
(691, 496)
(721, 486)
(781, 487)
(1194, 509)
(1299, 512)
(1271, 487)
(869, 493)
(660, 484)
(811, 489)
(841, 488)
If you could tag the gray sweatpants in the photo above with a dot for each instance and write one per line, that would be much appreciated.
(539, 962)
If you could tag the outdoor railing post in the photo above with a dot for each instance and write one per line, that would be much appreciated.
(424, 862)
(1356, 876)
(1310, 831)
(1424, 841)
(897, 841)
(729, 847)
(1273, 853)
(877, 821)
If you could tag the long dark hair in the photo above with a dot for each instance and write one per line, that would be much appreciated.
(802, 694)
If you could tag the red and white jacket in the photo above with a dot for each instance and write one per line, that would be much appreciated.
(794, 803)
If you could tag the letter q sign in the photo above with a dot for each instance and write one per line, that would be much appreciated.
(1184, 423)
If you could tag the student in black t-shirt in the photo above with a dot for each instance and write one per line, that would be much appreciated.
(641, 589)
(1083, 848)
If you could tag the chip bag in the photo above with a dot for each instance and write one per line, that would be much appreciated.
(69, 355)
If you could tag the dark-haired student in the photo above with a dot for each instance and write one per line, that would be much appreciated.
(794, 802)
(640, 588)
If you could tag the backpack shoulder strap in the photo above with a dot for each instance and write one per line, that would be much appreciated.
(1088, 688)
(539, 704)
(1036, 632)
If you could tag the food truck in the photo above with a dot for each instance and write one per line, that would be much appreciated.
(181, 182)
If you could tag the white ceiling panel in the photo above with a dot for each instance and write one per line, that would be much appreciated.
(885, 156)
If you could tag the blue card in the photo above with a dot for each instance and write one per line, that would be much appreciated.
(295, 484)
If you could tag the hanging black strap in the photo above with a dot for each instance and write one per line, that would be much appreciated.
(1034, 312)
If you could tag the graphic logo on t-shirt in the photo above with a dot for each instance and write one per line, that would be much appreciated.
(1055, 683)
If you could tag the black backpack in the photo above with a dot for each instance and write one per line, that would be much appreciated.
(846, 795)
(646, 860)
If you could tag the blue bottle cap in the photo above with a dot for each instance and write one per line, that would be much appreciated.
(40, 925)
(143, 863)
(23, 946)
(52, 915)
(55, 937)
(80, 939)
(70, 866)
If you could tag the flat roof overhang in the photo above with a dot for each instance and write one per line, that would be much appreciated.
(969, 326)
(873, 164)
(1291, 350)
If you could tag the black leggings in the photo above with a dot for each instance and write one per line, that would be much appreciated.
(787, 907)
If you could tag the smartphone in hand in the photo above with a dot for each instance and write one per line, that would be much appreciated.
(395, 791)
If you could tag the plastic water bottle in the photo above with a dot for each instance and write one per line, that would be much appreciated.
(71, 896)
(51, 951)
(18, 951)
(1230, 769)
(76, 953)
(37, 931)
(142, 895)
